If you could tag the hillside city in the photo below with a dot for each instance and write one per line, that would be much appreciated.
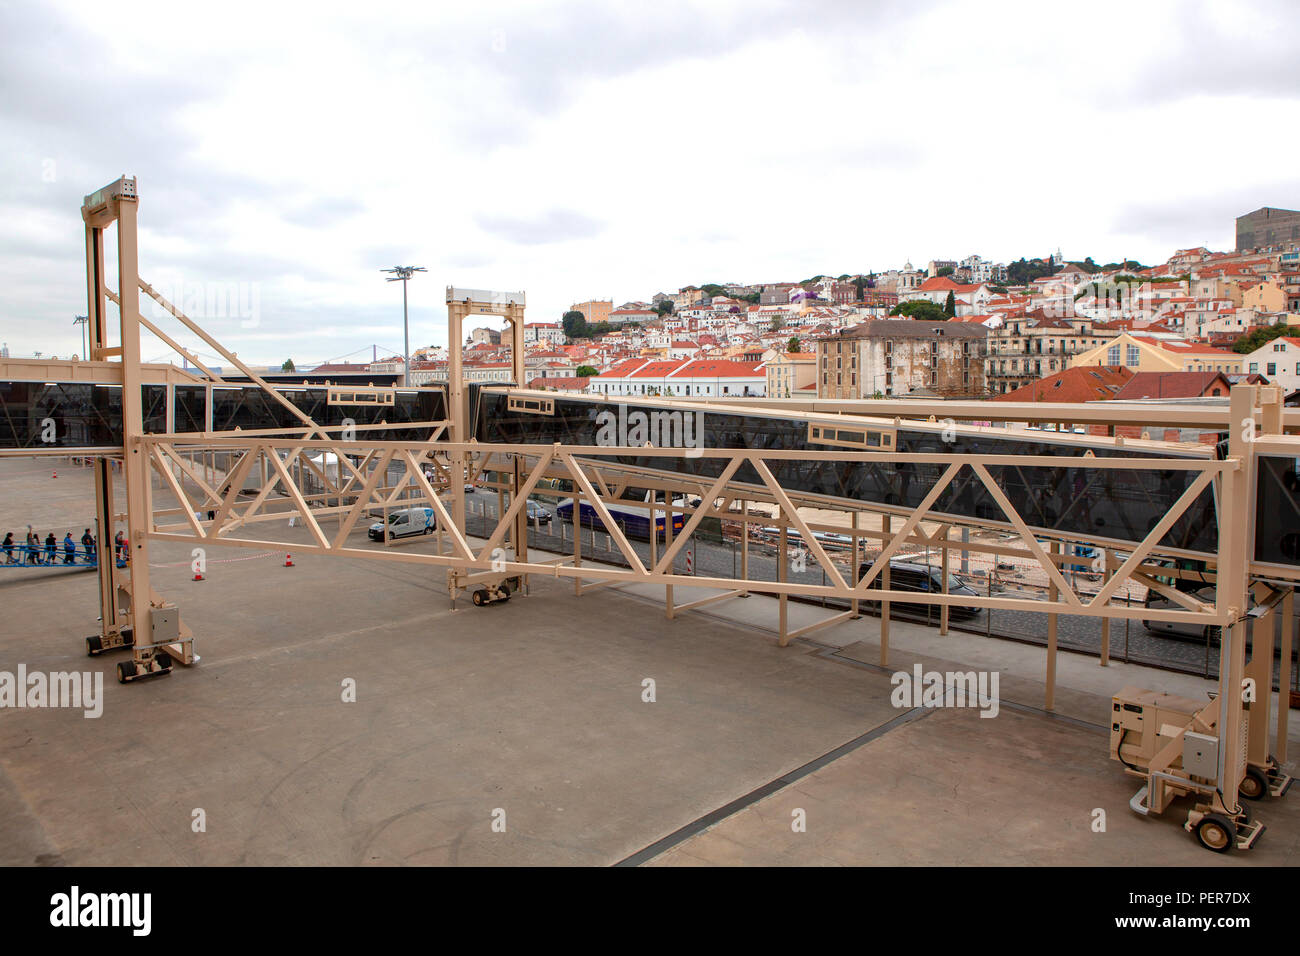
(1038, 330)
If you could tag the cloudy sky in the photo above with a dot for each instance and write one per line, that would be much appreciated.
(286, 153)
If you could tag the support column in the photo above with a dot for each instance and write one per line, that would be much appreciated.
(782, 563)
(135, 464)
(744, 543)
(668, 543)
(1230, 591)
(854, 564)
(943, 571)
(577, 536)
(1053, 594)
(887, 526)
(1284, 678)
(1104, 661)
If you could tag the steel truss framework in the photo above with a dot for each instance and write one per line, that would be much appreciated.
(212, 509)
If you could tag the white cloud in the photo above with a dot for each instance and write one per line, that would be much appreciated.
(583, 149)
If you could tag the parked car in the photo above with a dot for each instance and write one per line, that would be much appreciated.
(909, 576)
(537, 512)
(404, 523)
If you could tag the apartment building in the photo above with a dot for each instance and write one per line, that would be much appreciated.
(594, 310)
(902, 357)
(787, 372)
(1036, 345)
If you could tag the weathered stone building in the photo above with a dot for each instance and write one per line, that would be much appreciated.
(903, 357)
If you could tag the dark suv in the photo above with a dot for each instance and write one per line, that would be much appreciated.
(908, 576)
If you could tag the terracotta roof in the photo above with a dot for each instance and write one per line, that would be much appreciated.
(1085, 383)
(944, 284)
(576, 384)
(655, 369)
(718, 368)
(1171, 385)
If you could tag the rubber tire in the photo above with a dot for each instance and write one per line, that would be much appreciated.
(428, 530)
(125, 671)
(479, 597)
(1254, 779)
(504, 592)
(164, 662)
(94, 645)
(1216, 832)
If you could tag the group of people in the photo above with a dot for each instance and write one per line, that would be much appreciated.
(35, 551)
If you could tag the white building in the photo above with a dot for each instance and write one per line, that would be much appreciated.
(684, 378)
(552, 333)
(1278, 361)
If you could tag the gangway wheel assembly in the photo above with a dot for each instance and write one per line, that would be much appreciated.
(1254, 786)
(1215, 832)
(95, 643)
(157, 666)
(491, 594)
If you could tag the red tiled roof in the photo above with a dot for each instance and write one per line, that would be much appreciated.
(718, 368)
(656, 369)
(944, 284)
(1084, 383)
(575, 384)
(1170, 385)
(623, 369)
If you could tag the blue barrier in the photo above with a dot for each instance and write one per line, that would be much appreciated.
(24, 557)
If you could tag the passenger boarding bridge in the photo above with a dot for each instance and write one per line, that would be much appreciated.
(236, 456)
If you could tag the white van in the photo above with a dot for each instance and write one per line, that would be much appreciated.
(403, 523)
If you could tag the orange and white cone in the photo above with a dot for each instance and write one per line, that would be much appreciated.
(288, 560)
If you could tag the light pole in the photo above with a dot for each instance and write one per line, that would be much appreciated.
(84, 320)
(402, 274)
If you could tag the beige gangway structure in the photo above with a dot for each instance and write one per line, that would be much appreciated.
(207, 472)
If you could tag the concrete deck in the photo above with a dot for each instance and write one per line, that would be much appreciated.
(534, 708)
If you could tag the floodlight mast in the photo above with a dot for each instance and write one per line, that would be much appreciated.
(402, 274)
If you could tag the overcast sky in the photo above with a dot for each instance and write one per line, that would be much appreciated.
(287, 153)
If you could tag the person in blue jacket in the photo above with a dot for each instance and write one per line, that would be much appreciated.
(69, 549)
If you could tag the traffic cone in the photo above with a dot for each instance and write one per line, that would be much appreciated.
(198, 576)
(288, 560)
(55, 475)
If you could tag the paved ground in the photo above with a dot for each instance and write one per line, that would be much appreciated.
(534, 710)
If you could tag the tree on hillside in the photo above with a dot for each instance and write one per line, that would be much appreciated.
(664, 307)
(950, 304)
(945, 271)
(1023, 272)
(575, 324)
(288, 366)
(793, 345)
(1253, 340)
(921, 309)
(585, 371)
(774, 324)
